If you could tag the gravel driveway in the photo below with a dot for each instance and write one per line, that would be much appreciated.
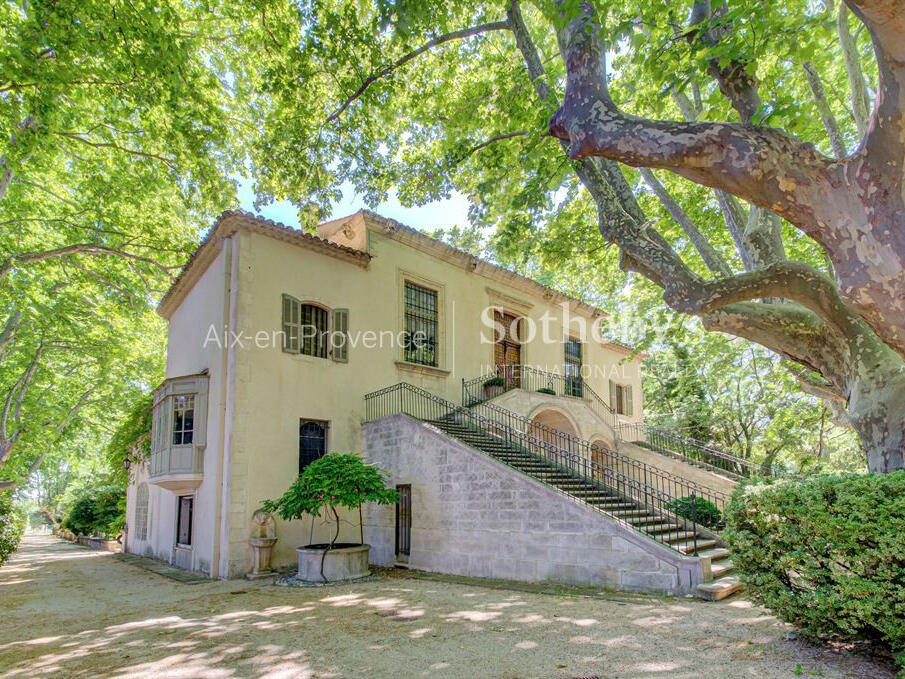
(68, 611)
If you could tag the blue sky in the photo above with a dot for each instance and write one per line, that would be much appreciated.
(440, 214)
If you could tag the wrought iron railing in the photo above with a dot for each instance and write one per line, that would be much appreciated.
(675, 501)
(664, 481)
(694, 451)
(506, 377)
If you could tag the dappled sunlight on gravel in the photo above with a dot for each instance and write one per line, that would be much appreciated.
(85, 613)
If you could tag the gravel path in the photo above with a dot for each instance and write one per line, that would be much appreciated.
(68, 611)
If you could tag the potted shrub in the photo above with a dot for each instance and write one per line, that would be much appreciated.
(494, 387)
(702, 510)
(328, 483)
(546, 390)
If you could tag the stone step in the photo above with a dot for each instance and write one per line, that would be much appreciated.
(714, 554)
(643, 520)
(719, 589)
(657, 528)
(608, 506)
(677, 536)
(720, 568)
(688, 547)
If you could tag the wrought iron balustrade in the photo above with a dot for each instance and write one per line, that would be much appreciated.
(506, 377)
(660, 440)
(653, 491)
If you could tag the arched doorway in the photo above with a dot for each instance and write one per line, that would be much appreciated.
(601, 456)
(548, 423)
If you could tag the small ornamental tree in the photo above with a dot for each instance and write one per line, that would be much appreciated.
(332, 481)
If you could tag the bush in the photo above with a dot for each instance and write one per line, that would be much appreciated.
(12, 525)
(97, 512)
(826, 554)
(545, 390)
(705, 512)
(495, 382)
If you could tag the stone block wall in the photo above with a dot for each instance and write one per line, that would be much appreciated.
(474, 516)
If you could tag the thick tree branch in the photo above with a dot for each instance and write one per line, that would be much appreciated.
(788, 280)
(169, 162)
(885, 19)
(711, 257)
(6, 172)
(823, 108)
(856, 85)
(762, 165)
(8, 332)
(12, 407)
(80, 248)
(405, 58)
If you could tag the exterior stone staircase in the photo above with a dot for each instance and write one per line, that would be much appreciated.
(619, 503)
(645, 503)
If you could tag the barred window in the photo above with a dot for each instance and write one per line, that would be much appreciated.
(312, 441)
(183, 419)
(420, 338)
(313, 327)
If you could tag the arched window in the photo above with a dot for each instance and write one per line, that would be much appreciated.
(141, 512)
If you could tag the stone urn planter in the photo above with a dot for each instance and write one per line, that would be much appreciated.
(326, 486)
(261, 551)
(343, 562)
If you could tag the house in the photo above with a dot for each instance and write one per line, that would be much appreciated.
(372, 337)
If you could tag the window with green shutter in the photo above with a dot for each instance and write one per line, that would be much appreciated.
(291, 329)
(339, 351)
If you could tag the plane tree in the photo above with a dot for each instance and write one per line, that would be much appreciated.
(770, 134)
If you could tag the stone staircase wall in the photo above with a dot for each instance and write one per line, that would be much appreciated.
(676, 467)
(474, 516)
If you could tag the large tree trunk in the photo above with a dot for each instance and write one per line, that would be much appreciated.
(851, 329)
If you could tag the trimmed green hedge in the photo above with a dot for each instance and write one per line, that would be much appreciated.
(12, 525)
(826, 554)
(97, 512)
(705, 512)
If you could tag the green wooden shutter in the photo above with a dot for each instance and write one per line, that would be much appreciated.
(290, 324)
(339, 338)
(613, 395)
(627, 398)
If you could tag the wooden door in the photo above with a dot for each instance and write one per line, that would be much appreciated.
(507, 352)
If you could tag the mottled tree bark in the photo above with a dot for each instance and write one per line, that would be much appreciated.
(851, 330)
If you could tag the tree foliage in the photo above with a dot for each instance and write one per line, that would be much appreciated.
(426, 98)
(12, 525)
(330, 482)
(118, 145)
(97, 511)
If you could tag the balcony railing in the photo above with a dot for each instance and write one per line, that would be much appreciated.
(506, 377)
(177, 468)
(603, 469)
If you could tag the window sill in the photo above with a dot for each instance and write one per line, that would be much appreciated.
(423, 369)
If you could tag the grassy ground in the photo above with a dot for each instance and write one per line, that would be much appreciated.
(68, 611)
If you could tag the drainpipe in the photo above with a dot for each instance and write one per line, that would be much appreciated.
(229, 274)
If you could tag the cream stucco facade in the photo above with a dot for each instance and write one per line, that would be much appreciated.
(226, 347)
